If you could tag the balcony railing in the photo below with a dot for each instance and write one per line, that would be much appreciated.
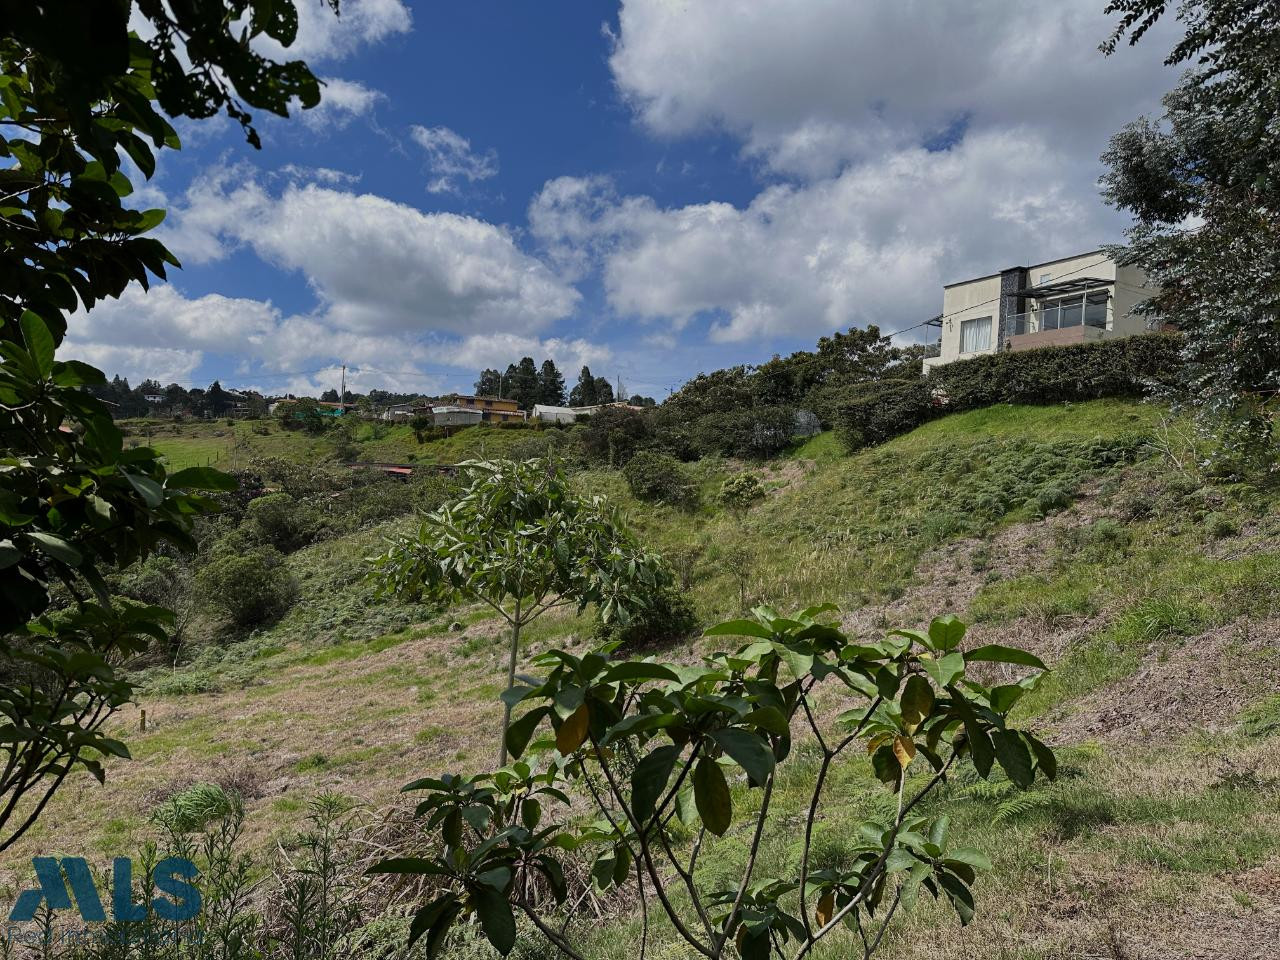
(1057, 318)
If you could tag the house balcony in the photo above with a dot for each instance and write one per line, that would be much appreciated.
(1054, 328)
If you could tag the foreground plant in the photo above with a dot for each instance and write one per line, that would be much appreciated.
(654, 748)
(521, 543)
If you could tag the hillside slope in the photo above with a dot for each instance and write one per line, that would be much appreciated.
(1153, 593)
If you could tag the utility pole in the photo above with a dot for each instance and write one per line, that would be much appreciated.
(342, 393)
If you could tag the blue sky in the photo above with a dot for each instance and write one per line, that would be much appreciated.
(653, 188)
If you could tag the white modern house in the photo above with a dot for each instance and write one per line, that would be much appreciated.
(1077, 299)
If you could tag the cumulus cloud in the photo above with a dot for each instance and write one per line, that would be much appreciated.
(324, 36)
(499, 349)
(341, 101)
(450, 158)
(873, 245)
(812, 86)
(376, 265)
(397, 291)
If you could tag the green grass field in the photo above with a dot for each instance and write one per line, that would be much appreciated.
(1153, 593)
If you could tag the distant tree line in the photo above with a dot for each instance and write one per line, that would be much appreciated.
(529, 384)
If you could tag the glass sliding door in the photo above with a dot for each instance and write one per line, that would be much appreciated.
(1095, 309)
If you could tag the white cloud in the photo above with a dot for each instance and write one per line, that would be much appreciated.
(399, 294)
(812, 86)
(450, 158)
(873, 245)
(341, 101)
(499, 349)
(374, 264)
(136, 364)
(323, 36)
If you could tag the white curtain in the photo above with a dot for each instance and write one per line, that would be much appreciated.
(975, 335)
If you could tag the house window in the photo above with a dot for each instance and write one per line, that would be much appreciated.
(1045, 278)
(975, 335)
(1095, 310)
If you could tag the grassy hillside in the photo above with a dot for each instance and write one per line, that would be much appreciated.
(228, 444)
(1153, 592)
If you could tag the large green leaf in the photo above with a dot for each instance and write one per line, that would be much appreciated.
(711, 796)
(945, 633)
(1011, 750)
(749, 751)
(496, 918)
(944, 670)
(739, 628)
(995, 653)
(917, 701)
(649, 780)
(203, 478)
(56, 547)
(39, 341)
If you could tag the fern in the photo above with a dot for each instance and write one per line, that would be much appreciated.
(1010, 802)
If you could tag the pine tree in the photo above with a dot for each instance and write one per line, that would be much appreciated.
(550, 384)
(604, 390)
(507, 382)
(526, 387)
(584, 394)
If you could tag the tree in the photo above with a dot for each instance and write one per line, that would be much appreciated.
(73, 506)
(584, 393)
(650, 747)
(524, 386)
(1213, 158)
(329, 396)
(521, 543)
(79, 93)
(638, 401)
(489, 384)
(550, 385)
(216, 400)
(604, 390)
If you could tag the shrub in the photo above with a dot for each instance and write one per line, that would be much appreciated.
(1107, 368)
(872, 413)
(280, 521)
(1219, 525)
(248, 588)
(1050, 500)
(667, 619)
(753, 433)
(614, 435)
(740, 491)
(659, 478)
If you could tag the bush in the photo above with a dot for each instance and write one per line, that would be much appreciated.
(249, 588)
(614, 435)
(667, 619)
(280, 521)
(1107, 368)
(872, 413)
(656, 477)
(752, 433)
(739, 492)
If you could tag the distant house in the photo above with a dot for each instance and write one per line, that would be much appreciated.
(1078, 299)
(493, 409)
(404, 411)
(154, 397)
(550, 414)
(452, 415)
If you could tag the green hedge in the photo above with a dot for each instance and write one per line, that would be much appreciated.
(1107, 368)
(876, 412)
(872, 413)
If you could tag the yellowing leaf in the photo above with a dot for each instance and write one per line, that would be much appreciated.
(573, 731)
(826, 908)
(904, 748)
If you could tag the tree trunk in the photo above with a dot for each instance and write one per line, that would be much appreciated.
(511, 682)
